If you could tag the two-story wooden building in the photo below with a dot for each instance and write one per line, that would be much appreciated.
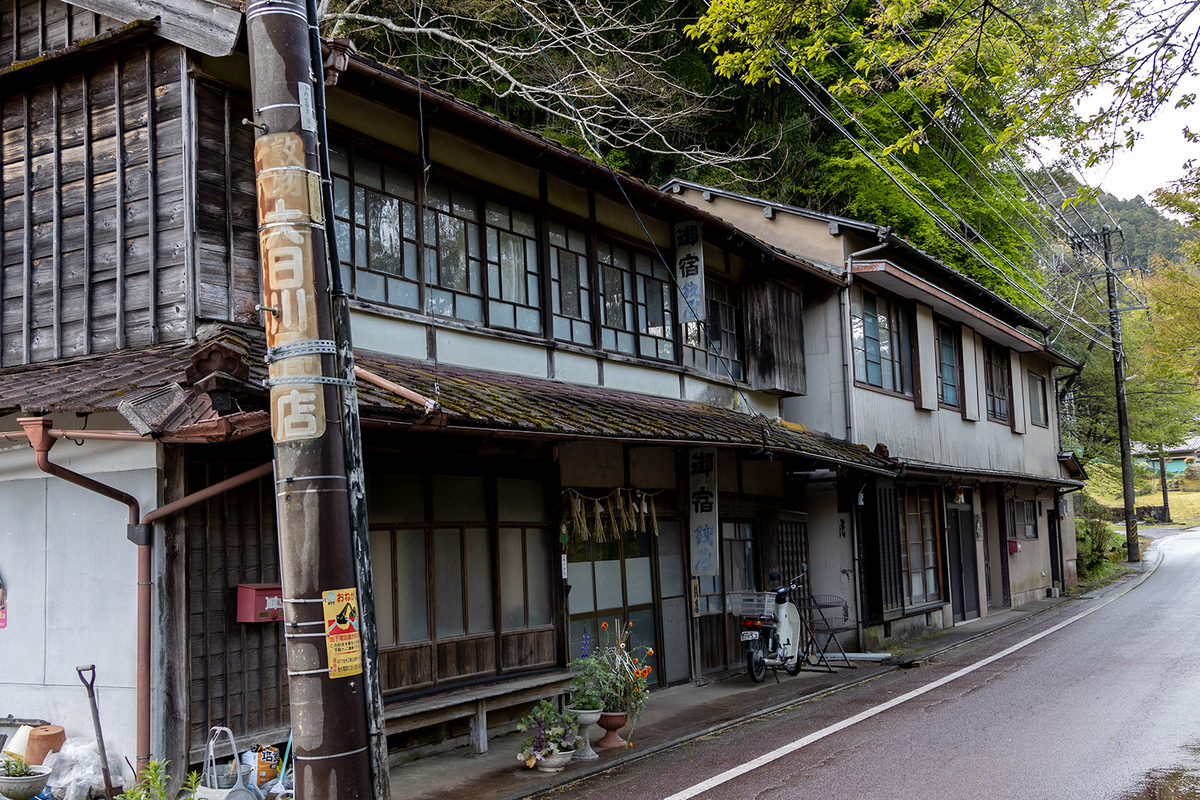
(930, 367)
(528, 293)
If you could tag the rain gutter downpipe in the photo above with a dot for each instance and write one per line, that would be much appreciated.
(140, 532)
(847, 325)
(38, 431)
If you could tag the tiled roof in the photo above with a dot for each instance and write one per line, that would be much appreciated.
(466, 398)
(478, 399)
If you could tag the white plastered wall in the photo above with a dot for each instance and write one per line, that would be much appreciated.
(70, 574)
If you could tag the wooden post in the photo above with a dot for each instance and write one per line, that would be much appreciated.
(321, 614)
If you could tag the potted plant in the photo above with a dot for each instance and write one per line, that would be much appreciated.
(586, 696)
(552, 738)
(154, 784)
(20, 780)
(622, 674)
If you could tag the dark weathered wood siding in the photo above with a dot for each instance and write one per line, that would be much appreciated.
(228, 282)
(94, 218)
(44, 26)
(237, 670)
(775, 338)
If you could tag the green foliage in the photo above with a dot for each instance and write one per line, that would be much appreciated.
(550, 732)
(1093, 539)
(155, 783)
(15, 767)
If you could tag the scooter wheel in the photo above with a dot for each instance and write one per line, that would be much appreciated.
(756, 664)
(793, 666)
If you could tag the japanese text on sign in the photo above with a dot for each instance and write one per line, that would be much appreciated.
(342, 639)
(689, 271)
(702, 510)
(285, 211)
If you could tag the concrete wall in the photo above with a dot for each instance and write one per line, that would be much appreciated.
(71, 578)
(824, 407)
(830, 545)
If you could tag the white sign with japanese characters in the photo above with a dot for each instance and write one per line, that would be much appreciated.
(689, 271)
(702, 508)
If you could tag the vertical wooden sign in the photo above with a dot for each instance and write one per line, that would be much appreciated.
(285, 215)
(702, 509)
(689, 271)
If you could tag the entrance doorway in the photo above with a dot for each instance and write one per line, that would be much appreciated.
(964, 569)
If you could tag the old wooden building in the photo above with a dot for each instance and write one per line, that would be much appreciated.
(527, 292)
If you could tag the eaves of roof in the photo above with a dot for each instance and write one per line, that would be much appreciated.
(468, 401)
(965, 282)
(912, 467)
(211, 27)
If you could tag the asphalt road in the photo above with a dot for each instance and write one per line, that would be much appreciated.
(1105, 705)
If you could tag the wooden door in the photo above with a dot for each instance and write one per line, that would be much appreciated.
(964, 580)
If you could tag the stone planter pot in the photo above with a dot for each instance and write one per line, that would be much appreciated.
(556, 762)
(612, 721)
(587, 718)
(27, 787)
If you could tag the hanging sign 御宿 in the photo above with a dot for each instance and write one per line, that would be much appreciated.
(689, 271)
(702, 510)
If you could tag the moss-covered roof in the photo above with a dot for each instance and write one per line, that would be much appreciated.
(466, 399)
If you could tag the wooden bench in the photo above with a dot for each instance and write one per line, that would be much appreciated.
(407, 715)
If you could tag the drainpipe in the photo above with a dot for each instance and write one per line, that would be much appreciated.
(38, 431)
(846, 324)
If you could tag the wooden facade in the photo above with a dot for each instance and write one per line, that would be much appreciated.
(94, 219)
(236, 671)
(45, 26)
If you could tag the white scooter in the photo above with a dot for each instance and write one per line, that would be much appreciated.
(773, 631)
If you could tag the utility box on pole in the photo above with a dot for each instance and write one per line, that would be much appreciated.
(321, 613)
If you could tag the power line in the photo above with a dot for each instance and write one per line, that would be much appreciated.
(789, 79)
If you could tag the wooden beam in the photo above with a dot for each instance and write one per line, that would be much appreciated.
(119, 135)
(27, 297)
(56, 306)
(89, 181)
(151, 201)
(190, 147)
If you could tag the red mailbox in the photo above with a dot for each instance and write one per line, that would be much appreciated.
(1014, 546)
(259, 602)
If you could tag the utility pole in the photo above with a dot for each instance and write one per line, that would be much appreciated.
(321, 608)
(1114, 327)
(1162, 474)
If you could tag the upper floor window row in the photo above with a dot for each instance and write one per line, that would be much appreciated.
(442, 250)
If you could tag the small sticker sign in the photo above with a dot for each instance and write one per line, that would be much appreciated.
(341, 632)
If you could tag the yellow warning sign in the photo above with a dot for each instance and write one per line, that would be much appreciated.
(341, 632)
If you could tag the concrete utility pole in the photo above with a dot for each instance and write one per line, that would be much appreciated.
(1114, 326)
(321, 608)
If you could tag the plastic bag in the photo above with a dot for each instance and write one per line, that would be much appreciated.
(76, 770)
(263, 762)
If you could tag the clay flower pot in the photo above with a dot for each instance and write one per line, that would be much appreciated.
(612, 721)
(26, 787)
(587, 718)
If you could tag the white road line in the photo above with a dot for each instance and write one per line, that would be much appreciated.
(792, 747)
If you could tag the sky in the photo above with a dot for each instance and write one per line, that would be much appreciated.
(1155, 161)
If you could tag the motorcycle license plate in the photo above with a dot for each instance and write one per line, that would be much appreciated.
(749, 636)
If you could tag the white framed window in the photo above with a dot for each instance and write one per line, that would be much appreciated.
(882, 345)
